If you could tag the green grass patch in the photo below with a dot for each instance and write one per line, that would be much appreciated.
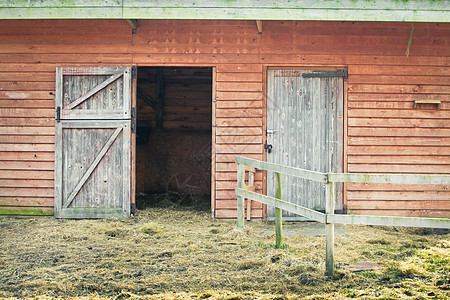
(26, 212)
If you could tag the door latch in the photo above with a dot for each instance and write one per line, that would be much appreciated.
(267, 147)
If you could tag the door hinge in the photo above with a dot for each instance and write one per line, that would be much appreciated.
(133, 72)
(133, 119)
(343, 73)
(58, 114)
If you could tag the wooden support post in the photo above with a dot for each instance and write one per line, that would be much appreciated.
(251, 187)
(240, 199)
(259, 26)
(159, 97)
(278, 217)
(134, 25)
(329, 229)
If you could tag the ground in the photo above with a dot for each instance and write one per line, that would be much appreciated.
(182, 253)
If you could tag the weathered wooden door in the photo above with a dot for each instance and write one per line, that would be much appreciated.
(305, 130)
(92, 145)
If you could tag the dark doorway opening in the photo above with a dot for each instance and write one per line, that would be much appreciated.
(173, 136)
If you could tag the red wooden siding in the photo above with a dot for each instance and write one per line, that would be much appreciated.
(385, 133)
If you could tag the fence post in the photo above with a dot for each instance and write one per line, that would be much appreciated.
(278, 217)
(240, 200)
(329, 229)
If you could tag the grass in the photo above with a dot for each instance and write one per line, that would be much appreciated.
(182, 253)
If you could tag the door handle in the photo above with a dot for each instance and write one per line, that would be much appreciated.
(268, 147)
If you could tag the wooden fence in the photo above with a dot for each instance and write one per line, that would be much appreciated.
(244, 191)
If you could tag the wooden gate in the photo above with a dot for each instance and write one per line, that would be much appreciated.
(92, 142)
(304, 130)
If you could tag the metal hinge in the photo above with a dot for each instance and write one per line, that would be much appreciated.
(343, 73)
(133, 72)
(58, 114)
(133, 119)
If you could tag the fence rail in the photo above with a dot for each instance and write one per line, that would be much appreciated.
(244, 191)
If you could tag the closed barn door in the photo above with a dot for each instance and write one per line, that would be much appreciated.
(92, 155)
(304, 130)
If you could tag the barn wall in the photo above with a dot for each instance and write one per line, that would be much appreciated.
(385, 133)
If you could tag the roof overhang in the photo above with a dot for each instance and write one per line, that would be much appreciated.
(324, 10)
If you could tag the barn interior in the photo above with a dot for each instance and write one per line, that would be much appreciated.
(173, 136)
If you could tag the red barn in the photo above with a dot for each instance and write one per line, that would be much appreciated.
(340, 86)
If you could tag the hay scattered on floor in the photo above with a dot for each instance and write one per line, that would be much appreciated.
(181, 253)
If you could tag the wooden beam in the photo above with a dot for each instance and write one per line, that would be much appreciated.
(389, 221)
(294, 208)
(329, 229)
(262, 165)
(278, 217)
(259, 26)
(390, 178)
(134, 24)
(332, 10)
(159, 97)
(240, 198)
(149, 100)
(92, 213)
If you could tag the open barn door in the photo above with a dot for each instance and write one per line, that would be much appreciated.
(92, 142)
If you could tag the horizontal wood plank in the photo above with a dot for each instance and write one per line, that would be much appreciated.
(26, 192)
(399, 141)
(240, 96)
(392, 168)
(27, 147)
(232, 213)
(399, 88)
(386, 122)
(238, 149)
(240, 77)
(399, 159)
(238, 139)
(239, 113)
(398, 132)
(399, 205)
(26, 174)
(239, 122)
(21, 202)
(27, 165)
(399, 196)
(27, 156)
(398, 113)
(430, 213)
(27, 139)
(231, 158)
(396, 187)
(27, 183)
(397, 150)
(238, 104)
